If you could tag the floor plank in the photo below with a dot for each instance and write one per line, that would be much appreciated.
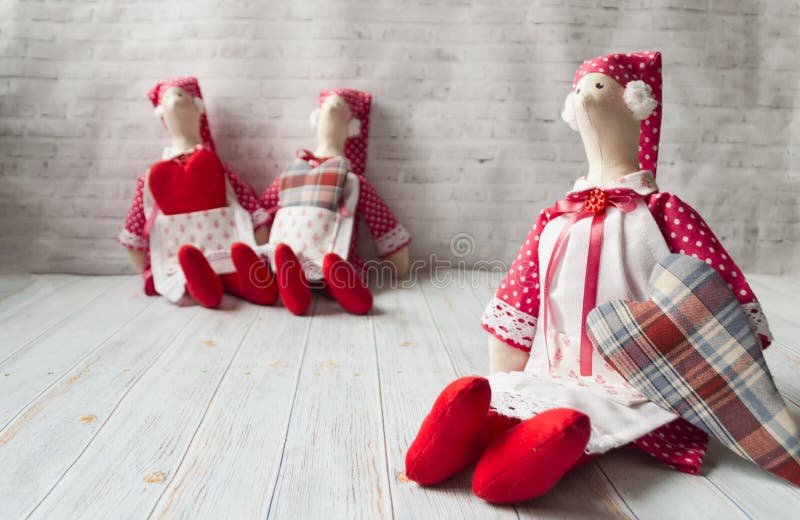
(42, 361)
(414, 367)
(242, 436)
(779, 300)
(138, 449)
(747, 485)
(651, 489)
(40, 445)
(334, 448)
(127, 406)
(47, 311)
(17, 291)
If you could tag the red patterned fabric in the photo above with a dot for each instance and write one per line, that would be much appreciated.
(192, 86)
(520, 290)
(679, 444)
(136, 219)
(355, 148)
(644, 66)
(687, 233)
(382, 223)
(314, 182)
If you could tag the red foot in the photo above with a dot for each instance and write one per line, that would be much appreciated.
(451, 436)
(202, 282)
(528, 460)
(292, 284)
(255, 282)
(345, 284)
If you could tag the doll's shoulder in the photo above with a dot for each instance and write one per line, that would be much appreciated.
(668, 207)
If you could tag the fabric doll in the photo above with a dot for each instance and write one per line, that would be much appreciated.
(552, 402)
(193, 221)
(315, 206)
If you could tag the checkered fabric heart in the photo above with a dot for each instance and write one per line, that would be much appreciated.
(319, 186)
(690, 349)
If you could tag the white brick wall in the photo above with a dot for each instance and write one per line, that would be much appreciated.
(463, 141)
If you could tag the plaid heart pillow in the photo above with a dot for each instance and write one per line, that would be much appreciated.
(320, 186)
(691, 350)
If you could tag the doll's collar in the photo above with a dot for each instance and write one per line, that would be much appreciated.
(314, 161)
(642, 182)
(170, 152)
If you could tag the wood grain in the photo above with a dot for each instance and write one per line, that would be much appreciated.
(138, 450)
(123, 406)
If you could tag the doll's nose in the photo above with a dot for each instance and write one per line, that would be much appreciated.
(589, 96)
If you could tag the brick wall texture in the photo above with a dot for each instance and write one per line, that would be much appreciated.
(466, 133)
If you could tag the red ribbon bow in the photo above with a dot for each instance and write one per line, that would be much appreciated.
(309, 157)
(590, 203)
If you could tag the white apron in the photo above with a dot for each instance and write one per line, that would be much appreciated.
(212, 231)
(313, 232)
(619, 414)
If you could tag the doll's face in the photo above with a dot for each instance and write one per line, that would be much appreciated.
(180, 113)
(332, 120)
(600, 108)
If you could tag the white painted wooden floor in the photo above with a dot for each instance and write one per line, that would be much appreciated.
(117, 405)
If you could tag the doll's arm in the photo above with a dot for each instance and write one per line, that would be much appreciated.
(511, 316)
(132, 234)
(270, 197)
(391, 238)
(687, 233)
(249, 201)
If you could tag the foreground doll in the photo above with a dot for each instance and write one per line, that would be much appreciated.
(562, 392)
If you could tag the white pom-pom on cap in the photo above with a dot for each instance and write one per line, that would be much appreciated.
(353, 127)
(568, 112)
(639, 98)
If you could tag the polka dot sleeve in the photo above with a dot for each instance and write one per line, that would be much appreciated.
(132, 233)
(269, 199)
(247, 198)
(389, 235)
(687, 233)
(512, 314)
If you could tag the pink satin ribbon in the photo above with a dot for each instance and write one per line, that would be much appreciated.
(589, 203)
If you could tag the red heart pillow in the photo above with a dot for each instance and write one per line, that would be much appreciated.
(196, 185)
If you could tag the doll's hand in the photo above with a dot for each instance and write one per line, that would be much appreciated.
(399, 259)
(137, 259)
(261, 235)
(503, 358)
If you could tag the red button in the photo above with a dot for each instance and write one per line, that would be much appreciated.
(596, 201)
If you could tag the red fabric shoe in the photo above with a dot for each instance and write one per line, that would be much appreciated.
(292, 283)
(255, 281)
(451, 436)
(345, 285)
(528, 460)
(202, 282)
(496, 425)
